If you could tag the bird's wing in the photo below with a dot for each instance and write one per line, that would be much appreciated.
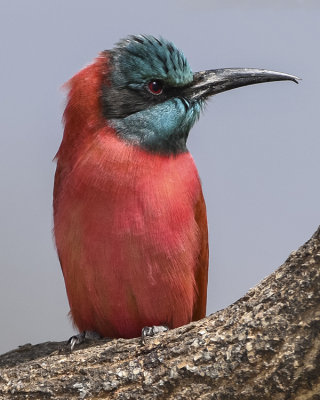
(56, 187)
(201, 272)
(58, 184)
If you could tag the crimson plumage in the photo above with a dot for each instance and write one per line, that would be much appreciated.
(130, 225)
(129, 215)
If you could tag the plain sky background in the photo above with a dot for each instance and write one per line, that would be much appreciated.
(256, 148)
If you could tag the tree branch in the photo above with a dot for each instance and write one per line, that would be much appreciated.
(264, 346)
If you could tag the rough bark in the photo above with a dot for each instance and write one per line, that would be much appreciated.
(264, 346)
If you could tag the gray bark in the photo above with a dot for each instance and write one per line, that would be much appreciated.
(264, 346)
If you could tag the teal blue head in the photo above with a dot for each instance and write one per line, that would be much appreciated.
(152, 98)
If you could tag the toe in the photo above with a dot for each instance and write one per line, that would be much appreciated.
(149, 331)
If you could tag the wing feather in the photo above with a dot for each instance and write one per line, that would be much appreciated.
(201, 272)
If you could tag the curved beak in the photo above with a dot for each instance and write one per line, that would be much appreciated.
(211, 82)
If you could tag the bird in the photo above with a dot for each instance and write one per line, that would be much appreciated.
(130, 221)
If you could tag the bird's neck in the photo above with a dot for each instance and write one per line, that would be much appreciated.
(161, 129)
(82, 116)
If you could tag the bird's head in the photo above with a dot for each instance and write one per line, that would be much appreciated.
(144, 99)
(151, 97)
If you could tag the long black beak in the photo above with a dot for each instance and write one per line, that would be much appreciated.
(211, 82)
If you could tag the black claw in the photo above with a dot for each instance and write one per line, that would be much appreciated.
(76, 339)
(82, 337)
(152, 331)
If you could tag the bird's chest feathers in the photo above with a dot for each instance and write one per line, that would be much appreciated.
(134, 199)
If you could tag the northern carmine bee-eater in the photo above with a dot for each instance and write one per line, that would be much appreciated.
(129, 215)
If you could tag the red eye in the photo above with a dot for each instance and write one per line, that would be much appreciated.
(155, 87)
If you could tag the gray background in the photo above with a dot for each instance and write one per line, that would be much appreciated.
(257, 148)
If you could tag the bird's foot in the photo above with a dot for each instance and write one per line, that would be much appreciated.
(151, 331)
(82, 337)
